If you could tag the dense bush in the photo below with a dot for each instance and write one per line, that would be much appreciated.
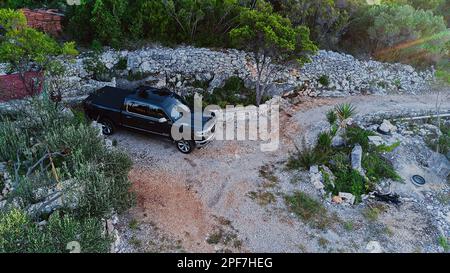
(101, 173)
(377, 167)
(393, 32)
(98, 20)
(113, 22)
(355, 135)
(51, 4)
(19, 234)
(326, 21)
(12, 20)
(351, 181)
(92, 178)
(306, 158)
(15, 4)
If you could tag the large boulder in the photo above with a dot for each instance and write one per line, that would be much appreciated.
(337, 141)
(386, 127)
(357, 158)
(439, 164)
(316, 177)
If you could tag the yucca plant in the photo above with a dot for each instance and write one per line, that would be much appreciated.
(345, 111)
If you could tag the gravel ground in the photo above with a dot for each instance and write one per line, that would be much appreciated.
(202, 202)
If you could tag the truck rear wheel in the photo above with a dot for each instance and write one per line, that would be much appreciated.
(185, 146)
(107, 127)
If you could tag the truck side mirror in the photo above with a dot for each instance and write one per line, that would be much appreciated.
(162, 120)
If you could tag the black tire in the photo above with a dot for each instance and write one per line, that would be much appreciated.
(108, 127)
(185, 146)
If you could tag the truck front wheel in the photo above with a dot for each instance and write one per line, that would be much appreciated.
(107, 127)
(185, 146)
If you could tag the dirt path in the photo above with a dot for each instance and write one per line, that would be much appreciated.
(184, 194)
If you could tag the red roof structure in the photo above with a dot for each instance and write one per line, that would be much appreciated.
(14, 87)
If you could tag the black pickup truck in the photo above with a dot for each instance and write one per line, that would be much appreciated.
(149, 110)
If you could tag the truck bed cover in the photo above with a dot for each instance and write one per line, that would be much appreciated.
(110, 97)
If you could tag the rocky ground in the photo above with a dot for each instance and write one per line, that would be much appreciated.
(229, 195)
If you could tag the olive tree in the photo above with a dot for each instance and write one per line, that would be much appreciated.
(272, 40)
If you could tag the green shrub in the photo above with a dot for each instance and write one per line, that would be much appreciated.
(200, 84)
(334, 130)
(355, 135)
(97, 68)
(324, 142)
(99, 20)
(433, 5)
(104, 183)
(326, 21)
(371, 214)
(440, 144)
(444, 75)
(12, 141)
(308, 209)
(303, 205)
(203, 23)
(348, 180)
(101, 174)
(305, 159)
(401, 23)
(12, 20)
(233, 92)
(19, 234)
(50, 4)
(377, 167)
(401, 33)
(122, 64)
(324, 80)
(339, 161)
(383, 148)
(443, 242)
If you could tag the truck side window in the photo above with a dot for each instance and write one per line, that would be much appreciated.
(145, 110)
(137, 108)
(156, 112)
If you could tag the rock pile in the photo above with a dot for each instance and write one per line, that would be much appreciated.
(329, 73)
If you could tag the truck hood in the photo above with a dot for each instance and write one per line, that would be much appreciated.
(200, 122)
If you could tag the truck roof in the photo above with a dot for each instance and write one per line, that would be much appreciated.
(113, 97)
(158, 97)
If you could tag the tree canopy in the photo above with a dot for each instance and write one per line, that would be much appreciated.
(271, 38)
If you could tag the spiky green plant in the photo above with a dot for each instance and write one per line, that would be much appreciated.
(331, 116)
(345, 111)
(305, 159)
(324, 141)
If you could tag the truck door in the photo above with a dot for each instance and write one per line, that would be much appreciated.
(143, 116)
